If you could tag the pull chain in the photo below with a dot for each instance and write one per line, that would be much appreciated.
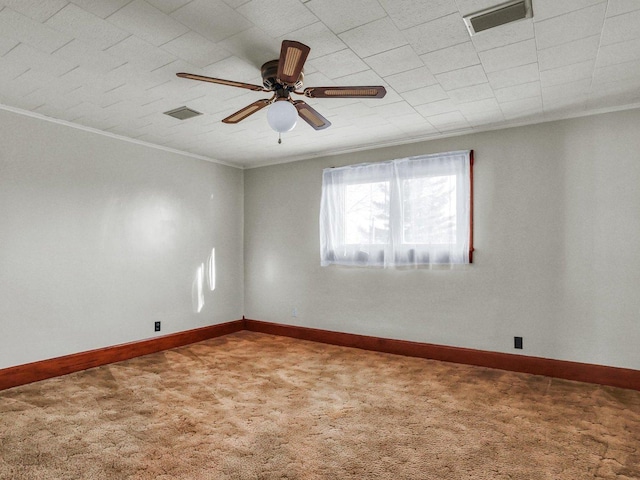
(279, 137)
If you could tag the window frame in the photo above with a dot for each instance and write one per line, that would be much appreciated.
(396, 221)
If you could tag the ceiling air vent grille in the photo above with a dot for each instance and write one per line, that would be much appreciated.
(499, 15)
(182, 113)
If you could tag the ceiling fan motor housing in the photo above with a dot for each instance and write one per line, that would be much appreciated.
(269, 73)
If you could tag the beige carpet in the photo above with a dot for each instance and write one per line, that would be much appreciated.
(254, 406)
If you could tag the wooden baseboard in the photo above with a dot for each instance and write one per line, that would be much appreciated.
(33, 372)
(582, 372)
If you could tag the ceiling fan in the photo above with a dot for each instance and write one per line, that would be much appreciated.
(284, 77)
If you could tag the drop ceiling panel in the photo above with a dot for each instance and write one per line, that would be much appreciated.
(509, 56)
(391, 62)
(80, 24)
(16, 26)
(437, 34)
(372, 38)
(143, 20)
(621, 28)
(341, 16)
(111, 65)
(212, 19)
(39, 10)
(451, 58)
(288, 16)
(409, 13)
(101, 8)
(569, 53)
(570, 26)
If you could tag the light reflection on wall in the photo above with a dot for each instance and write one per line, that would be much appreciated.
(211, 270)
(197, 288)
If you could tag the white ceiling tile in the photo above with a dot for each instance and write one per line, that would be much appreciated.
(514, 76)
(91, 81)
(409, 13)
(451, 58)
(272, 20)
(437, 34)
(518, 92)
(543, 9)
(463, 77)
(33, 58)
(238, 3)
(503, 35)
(621, 28)
(212, 19)
(39, 10)
(394, 109)
(394, 61)
(140, 54)
(522, 108)
(571, 90)
(618, 53)
(487, 105)
(18, 27)
(101, 8)
(375, 37)
(7, 44)
(569, 53)
(467, 7)
(617, 72)
(570, 73)
(413, 123)
(411, 79)
(147, 22)
(509, 56)
(339, 64)
(449, 121)
(87, 58)
(618, 7)
(87, 27)
(195, 49)
(341, 16)
(570, 26)
(319, 38)
(168, 6)
(482, 119)
(10, 70)
(471, 94)
(253, 46)
(424, 95)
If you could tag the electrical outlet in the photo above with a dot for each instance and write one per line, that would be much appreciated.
(517, 342)
(294, 312)
(157, 327)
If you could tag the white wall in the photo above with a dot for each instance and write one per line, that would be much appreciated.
(99, 238)
(557, 227)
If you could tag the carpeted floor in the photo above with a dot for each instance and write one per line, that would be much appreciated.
(254, 406)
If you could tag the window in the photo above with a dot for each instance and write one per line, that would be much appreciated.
(410, 211)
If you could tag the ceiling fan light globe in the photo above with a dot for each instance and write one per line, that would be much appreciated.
(282, 116)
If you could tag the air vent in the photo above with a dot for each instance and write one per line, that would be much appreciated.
(499, 15)
(182, 113)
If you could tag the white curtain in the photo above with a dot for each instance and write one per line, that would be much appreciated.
(405, 212)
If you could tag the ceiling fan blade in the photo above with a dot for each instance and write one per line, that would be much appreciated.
(311, 116)
(292, 57)
(345, 92)
(231, 83)
(246, 111)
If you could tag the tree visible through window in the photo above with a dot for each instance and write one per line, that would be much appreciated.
(411, 211)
